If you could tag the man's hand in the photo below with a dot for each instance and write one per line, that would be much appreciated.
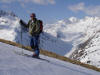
(22, 23)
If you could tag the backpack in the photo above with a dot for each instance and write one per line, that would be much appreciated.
(41, 25)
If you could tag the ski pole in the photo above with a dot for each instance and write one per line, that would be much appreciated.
(22, 40)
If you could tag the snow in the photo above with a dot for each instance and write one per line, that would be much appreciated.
(13, 64)
(7, 28)
(62, 37)
(93, 52)
(71, 32)
(11, 29)
(91, 32)
(74, 32)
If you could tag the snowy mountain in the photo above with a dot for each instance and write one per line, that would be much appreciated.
(80, 38)
(75, 38)
(87, 47)
(14, 64)
(10, 28)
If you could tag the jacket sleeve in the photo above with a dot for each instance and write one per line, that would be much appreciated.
(24, 24)
(28, 24)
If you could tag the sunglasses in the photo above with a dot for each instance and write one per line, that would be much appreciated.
(31, 16)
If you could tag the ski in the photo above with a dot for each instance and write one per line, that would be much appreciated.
(27, 55)
(36, 57)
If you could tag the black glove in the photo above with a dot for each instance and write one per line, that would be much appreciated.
(22, 22)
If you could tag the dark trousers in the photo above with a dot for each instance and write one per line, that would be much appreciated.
(34, 43)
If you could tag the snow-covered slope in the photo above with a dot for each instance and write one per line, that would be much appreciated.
(10, 29)
(69, 33)
(8, 25)
(74, 38)
(87, 47)
(79, 38)
(58, 37)
(89, 51)
(13, 64)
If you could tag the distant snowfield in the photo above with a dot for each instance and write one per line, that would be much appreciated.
(13, 64)
(72, 32)
(66, 35)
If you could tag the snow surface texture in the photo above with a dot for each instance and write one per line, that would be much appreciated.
(91, 53)
(63, 37)
(10, 29)
(13, 64)
(88, 49)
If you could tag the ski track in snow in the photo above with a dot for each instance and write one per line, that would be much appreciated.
(14, 64)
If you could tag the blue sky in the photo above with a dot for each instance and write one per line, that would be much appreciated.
(52, 10)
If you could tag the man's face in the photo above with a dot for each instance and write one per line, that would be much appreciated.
(32, 17)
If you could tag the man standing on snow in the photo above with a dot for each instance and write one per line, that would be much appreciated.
(34, 30)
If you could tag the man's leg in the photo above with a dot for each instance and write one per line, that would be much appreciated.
(36, 43)
(32, 43)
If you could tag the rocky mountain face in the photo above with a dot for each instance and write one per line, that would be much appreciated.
(88, 51)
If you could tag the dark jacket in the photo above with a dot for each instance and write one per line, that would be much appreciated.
(34, 27)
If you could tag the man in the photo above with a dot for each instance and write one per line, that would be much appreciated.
(34, 30)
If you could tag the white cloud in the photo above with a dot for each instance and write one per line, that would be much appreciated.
(93, 10)
(23, 4)
(77, 7)
(42, 2)
(51, 1)
(7, 1)
(89, 10)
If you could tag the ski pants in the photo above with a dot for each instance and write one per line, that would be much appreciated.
(34, 43)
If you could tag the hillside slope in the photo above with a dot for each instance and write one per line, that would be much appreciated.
(74, 38)
(14, 64)
(87, 48)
